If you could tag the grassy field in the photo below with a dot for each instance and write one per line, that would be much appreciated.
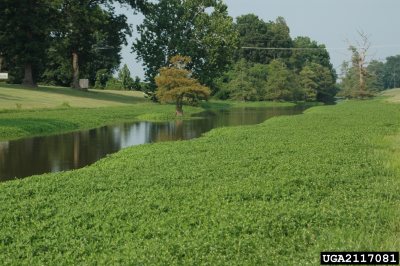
(18, 97)
(393, 95)
(272, 194)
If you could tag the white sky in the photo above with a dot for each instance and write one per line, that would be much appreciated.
(330, 22)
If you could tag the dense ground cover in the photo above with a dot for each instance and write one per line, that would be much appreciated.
(276, 193)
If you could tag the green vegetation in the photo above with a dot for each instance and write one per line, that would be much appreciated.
(61, 41)
(49, 110)
(202, 30)
(53, 97)
(276, 193)
(19, 124)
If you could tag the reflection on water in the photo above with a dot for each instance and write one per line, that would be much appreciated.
(26, 157)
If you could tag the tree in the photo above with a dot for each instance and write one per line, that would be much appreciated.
(359, 61)
(200, 29)
(137, 84)
(240, 86)
(91, 34)
(24, 32)
(281, 83)
(102, 77)
(308, 51)
(175, 84)
(317, 83)
(254, 32)
(124, 76)
(392, 72)
(376, 75)
(244, 82)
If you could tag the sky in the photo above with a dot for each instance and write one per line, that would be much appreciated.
(334, 23)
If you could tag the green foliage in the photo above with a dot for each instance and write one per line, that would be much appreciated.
(27, 123)
(392, 72)
(272, 194)
(350, 83)
(93, 31)
(314, 53)
(281, 83)
(125, 78)
(261, 74)
(114, 84)
(137, 84)
(245, 82)
(317, 83)
(202, 30)
(102, 77)
(254, 32)
(24, 34)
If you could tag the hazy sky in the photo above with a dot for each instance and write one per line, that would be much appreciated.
(330, 22)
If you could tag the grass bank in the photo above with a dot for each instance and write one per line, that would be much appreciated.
(50, 110)
(19, 124)
(276, 193)
(16, 97)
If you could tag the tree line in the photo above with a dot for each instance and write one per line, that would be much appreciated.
(59, 41)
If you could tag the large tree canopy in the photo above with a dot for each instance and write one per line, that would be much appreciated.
(46, 36)
(90, 36)
(256, 33)
(24, 35)
(201, 29)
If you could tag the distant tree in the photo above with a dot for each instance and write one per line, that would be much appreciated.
(281, 83)
(137, 84)
(124, 76)
(114, 84)
(244, 82)
(309, 51)
(254, 32)
(176, 84)
(202, 30)
(376, 75)
(89, 31)
(102, 77)
(24, 32)
(359, 61)
(240, 86)
(318, 83)
(392, 72)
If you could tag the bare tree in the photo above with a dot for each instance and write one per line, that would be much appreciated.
(359, 60)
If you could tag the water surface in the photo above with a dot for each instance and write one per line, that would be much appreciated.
(38, 155)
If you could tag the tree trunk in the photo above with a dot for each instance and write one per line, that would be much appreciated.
(179, 108)
(28, 76)
(1, 62)
(75, 69)
(362, 80)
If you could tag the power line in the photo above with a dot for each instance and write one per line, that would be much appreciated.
(292, 48)
(312, 48)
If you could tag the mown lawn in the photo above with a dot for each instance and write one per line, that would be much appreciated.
(272, 194)
(16, 97)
